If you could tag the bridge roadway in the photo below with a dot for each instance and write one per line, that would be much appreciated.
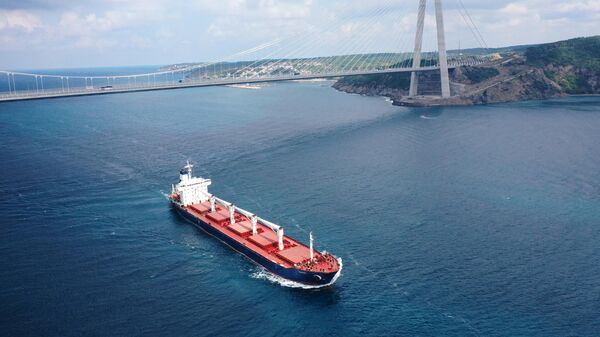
(56, 93)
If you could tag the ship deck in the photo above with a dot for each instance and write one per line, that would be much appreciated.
(294, 255)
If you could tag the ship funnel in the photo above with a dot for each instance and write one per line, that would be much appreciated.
(312, 249)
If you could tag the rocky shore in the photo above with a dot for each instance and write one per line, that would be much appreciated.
(540, 73)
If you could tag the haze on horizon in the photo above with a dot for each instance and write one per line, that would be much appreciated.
(93, 33)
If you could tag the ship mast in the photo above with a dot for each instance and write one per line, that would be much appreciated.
(312, 250)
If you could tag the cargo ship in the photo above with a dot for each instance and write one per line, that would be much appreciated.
(261, 241)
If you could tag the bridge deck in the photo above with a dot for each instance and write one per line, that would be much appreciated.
(192, 84)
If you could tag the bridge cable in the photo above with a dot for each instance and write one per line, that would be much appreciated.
(369, 41)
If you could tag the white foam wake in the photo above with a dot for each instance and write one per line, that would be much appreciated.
(263, 274)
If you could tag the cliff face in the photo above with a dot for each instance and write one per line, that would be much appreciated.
(370, 89)
(574, 80)
(544, 71)
(389, 85)
(532, 83)
(515, 81)
(529, 85)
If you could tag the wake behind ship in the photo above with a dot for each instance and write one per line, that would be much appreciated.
(260, 240)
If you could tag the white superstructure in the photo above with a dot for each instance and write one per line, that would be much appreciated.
(191, 190)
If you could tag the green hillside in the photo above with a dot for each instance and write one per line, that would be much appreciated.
(580, 52)
(393, 81)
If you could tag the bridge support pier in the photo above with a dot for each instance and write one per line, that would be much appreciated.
(443, 57)
(441, 39)
(414, 76)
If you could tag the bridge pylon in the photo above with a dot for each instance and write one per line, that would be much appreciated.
(441, 39)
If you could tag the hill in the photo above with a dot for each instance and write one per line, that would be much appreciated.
(524, 72)
(580, 52)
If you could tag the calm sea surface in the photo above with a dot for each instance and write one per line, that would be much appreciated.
(470, 221)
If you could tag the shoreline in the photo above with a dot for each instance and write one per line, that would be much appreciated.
(436, 101)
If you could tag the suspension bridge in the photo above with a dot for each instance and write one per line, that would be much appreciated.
(279, 61)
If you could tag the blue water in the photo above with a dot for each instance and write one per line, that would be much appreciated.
(470, 221)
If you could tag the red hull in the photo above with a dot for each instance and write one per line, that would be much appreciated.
(295, 255)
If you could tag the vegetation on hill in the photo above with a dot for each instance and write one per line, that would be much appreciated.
(573, 64)
(580, 52)
(480, 74)
(525, 72)
(392, 81)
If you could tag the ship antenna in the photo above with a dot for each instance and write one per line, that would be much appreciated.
(189, 167)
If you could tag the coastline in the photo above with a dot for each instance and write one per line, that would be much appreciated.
(560, 69)
(528, 85)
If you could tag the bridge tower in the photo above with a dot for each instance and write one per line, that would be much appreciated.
(441, 39)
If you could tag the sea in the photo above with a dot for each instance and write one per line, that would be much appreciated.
(454, 221)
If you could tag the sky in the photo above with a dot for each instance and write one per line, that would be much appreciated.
(40, 34)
